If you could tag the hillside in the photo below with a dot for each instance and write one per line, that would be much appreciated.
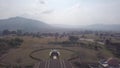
(24, 24)
(30, 25)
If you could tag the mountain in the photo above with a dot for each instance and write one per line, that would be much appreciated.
(27, 25)
(65, 26)
(94, 27)
(104, 27)
(30, 25)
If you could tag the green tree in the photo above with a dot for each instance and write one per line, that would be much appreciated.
(6, 32)
(73, 38)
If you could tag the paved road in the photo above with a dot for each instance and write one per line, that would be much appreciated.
(53, 64)
(92, 40)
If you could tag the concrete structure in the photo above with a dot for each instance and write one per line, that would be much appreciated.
(54, 54)
(110, 63)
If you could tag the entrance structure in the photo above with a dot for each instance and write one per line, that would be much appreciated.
(54, 54)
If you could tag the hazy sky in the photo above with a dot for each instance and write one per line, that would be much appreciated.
(70, 12)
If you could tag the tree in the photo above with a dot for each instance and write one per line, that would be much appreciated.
(13, 32)
(107, 41)
(19, 32)
(6, 32)
(15, 42)
(73, 38)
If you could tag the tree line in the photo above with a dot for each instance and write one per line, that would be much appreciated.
(6, 44)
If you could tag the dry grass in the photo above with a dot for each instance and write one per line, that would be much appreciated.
(30, 44)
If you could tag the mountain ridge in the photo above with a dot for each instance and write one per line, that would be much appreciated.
(31, 25)
(25, 24)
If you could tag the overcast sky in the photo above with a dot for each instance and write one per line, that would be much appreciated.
(70, 12)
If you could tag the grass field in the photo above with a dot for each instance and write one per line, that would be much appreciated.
(30, 44)
(45, 54)
(21, 55)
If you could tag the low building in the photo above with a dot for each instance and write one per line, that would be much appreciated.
(109, 63)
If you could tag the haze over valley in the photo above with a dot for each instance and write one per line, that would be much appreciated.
(31, 25)
(59, 34)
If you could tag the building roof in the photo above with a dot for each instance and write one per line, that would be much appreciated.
(113, 62)
(110, 62)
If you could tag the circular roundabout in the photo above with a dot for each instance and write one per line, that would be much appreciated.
(43, 54)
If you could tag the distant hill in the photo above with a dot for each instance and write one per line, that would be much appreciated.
(99, 27)
(104, 27)
(30, 25)
(24, 24)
